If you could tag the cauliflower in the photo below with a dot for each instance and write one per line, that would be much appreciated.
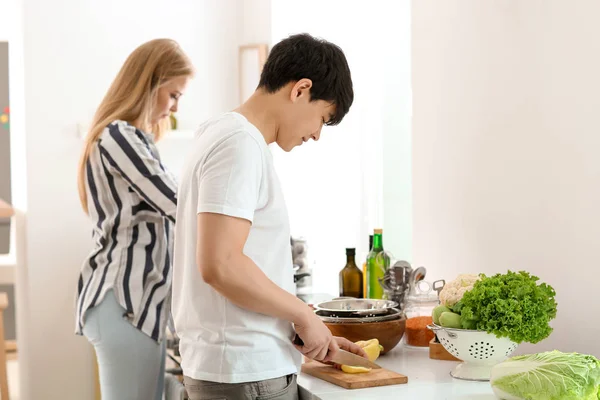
(453, 292)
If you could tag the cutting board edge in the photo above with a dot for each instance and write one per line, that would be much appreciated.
(396, 380)
(384, 382)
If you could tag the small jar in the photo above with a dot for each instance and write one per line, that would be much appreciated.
(419, 307)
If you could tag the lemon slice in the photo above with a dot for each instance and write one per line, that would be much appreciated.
(371, 347)
(354, 370)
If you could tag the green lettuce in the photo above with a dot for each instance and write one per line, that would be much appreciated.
(509, 305)
(551, 375)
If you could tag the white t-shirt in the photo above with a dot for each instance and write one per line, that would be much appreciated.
(230, 171)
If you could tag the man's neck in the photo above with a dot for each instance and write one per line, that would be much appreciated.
(262, 110)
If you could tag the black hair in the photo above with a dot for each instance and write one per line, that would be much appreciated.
(303, 56)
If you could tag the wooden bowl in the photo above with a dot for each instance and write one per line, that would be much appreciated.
(389, 333)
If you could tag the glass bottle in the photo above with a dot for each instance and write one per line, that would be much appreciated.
(364, 267)
(351, 278)
(376, 265)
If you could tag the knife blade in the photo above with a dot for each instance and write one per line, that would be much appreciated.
(344, 357)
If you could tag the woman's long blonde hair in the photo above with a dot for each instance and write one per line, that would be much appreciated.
(132, 95)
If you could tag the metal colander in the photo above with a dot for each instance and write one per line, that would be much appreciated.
(478, 350)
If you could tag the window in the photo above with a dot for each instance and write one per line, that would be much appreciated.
(335, 189)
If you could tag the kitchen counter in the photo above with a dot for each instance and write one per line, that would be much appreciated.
(427, 379)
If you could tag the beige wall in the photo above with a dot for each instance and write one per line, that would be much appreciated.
(506, 165)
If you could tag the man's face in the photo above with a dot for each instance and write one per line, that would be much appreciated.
(303, 119)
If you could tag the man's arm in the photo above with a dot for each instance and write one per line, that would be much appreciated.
(224, 266)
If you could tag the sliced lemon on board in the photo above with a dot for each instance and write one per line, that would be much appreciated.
(372, 348)
(349, 369)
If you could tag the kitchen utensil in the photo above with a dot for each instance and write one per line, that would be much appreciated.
(398, 279)
(299, 247)
(332, 317)
(344, 357)
(417, 275)
(438, 286)
(351, 306)
(478, 350)
(373, 378)
(302, 265)
(297, 277)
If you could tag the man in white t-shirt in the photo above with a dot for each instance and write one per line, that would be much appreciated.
(234, 306)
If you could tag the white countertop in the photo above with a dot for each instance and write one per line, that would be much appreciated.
(427, 379)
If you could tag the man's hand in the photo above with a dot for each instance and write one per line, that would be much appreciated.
(352, 347)
(318, 350)
(317, 339)
(347, 345)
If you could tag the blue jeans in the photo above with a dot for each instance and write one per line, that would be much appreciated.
(131, 364)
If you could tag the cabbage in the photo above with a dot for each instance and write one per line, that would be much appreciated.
(551, 375)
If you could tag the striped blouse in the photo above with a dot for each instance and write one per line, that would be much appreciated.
(132, 203)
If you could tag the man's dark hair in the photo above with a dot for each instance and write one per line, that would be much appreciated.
(303, 56)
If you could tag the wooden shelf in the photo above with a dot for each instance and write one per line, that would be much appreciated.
(11, 346)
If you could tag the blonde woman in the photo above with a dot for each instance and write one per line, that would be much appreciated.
(124, 288)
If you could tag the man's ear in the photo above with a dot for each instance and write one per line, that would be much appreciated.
(301, 90)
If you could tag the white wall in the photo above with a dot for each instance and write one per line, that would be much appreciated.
(73, 50)
(334, 188)
(255, 22)
(506, 167)
(253, 26)
(394, 46)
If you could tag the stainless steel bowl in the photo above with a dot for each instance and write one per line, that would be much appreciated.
(350, 306)
(333, 318)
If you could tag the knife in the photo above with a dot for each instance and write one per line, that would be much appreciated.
(344, 357)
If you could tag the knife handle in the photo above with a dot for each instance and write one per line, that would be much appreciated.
(298, 341)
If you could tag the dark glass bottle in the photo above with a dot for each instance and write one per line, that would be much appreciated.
(351, 277)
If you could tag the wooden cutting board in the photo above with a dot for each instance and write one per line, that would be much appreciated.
(438, 352)
(376, 377)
